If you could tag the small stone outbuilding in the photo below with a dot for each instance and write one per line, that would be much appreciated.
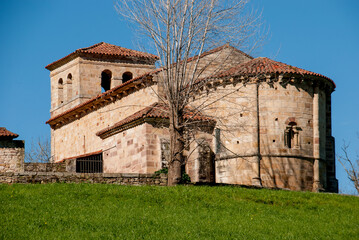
(12, 152)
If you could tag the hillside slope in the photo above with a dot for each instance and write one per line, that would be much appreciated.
(94, 211)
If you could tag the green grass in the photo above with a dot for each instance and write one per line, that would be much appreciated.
(85, 211)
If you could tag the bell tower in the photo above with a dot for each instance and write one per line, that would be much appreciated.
(87, 72)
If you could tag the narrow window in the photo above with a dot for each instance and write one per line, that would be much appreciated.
(291, 135)
(106, 80)
(126, 77)
(69, 87)
(60, 92)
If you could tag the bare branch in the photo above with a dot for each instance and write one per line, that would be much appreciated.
(179, 29)
(39, 151)
(350, 165)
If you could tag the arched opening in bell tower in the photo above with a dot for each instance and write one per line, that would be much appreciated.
(126, 76)
(60, 93)
(106, 76)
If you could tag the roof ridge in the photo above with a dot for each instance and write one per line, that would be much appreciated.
(267, 66)
(240, 51)
(90, 47)
(291, 66)
(149, 109)
(159, 111)
(103, 48)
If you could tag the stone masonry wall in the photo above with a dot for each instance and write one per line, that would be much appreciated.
(276, 172)
(332, 182)
(79, 137)
(45, 167)
(58, 177)
(278, 106)
(136, 150)
(141, 149)
(12, 153)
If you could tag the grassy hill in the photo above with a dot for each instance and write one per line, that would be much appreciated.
(85, 211)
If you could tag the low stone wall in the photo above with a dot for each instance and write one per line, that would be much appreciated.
(65, 177)
(45, 167)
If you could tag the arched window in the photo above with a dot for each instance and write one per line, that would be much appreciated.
(291, 135)
(106, 80)
(69, 87)
(60, 92)
(126, 76)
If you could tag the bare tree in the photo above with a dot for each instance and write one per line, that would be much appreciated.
(350, 165)
(39, 151)
(178, 30)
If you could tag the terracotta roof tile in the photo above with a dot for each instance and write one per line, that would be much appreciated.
(157, 110)
(102, 48)
(6, 133)
(263, 65)
(110, 49)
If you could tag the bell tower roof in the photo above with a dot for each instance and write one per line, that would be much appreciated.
(104, 50)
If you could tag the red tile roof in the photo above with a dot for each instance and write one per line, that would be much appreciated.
(263, 65)
(6, 133)
(102, 48)
(81, 156)
(110, 49)
(156, 110)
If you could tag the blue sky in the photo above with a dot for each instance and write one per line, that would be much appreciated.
(320, 36)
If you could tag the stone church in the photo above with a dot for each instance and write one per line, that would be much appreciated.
(269, 123)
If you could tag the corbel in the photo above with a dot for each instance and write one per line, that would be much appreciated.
(283, 81)
(280, 78)
(138, 86)
(270, 81)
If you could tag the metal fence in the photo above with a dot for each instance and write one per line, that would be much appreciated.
(90, 164)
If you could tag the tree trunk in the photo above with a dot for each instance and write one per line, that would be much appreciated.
(176, 149)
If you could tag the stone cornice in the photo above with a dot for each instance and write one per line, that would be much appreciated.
(137, 122)
(283, 79)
